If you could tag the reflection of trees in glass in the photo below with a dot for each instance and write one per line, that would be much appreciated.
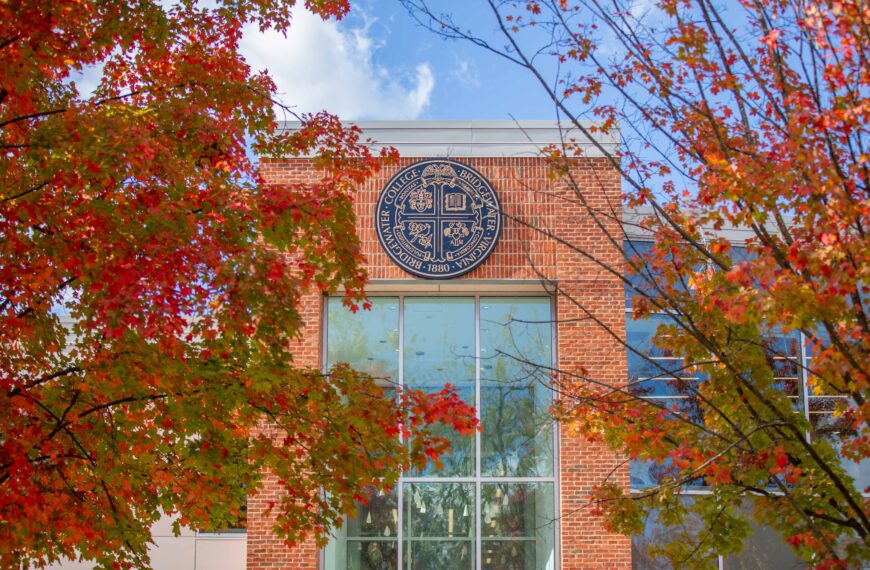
(509, 555)
(438, 349)
(830, 418)
(656, 534)
(369, 539)
(439, 342)
(515, 337)
(366, 340)
(764, 548)
(659, 375)
(651, 473)
(826, 424)
(439, 555)
(656, 373)
(441, 510)
(829, 424)
(505, 511)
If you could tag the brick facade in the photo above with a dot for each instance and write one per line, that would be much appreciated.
(529, 197)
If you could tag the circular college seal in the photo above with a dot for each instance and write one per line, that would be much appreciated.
(438, 219)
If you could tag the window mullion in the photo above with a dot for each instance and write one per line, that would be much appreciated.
(478, 546)
(802, 375)
(400, 504)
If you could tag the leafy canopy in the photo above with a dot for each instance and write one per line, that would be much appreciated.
(138, 210)
(749, 114)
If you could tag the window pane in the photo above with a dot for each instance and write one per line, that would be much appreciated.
(836, 429)
(764, 548)
(739, 254)
(439, 349)
(369, 540)
(439, 555)
(438, 346)
(648, 281)
(371, 555)
(828, 422)
(655, 533)
(655, 371)
(518, 526)
(636, 283)
(646, 474)
(783, 356)
(819, 335)
(378, 518)
(515, 341)
(439, 526)
(367, 340)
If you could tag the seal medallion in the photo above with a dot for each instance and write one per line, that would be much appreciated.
(438, 218)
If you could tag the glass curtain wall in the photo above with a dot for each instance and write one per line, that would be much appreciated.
(656, 374)
(493, 503)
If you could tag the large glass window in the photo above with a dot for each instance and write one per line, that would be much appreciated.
(493, 503)
(660, 376)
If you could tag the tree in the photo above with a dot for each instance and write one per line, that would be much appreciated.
(753, 115)
(138, 210)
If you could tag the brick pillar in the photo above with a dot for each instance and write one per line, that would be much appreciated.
(265, 550)
(587, 348)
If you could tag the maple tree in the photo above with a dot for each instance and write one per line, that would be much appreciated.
(137, 212)
(753, 115)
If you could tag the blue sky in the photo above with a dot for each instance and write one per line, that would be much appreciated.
(379, 64)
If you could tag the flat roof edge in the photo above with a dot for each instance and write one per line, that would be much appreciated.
(480, 138)
(631, 218)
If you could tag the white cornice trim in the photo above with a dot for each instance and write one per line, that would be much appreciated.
(448, 139)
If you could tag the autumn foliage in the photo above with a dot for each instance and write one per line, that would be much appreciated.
(753, 115)
(150, 285)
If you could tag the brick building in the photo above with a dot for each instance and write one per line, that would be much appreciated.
(518, 504)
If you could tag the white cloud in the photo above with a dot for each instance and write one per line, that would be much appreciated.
(324, 66)
(644, 8)
(465, 72)
(87, 79)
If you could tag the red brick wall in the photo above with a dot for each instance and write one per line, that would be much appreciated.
(265, 550)
(529, 197)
